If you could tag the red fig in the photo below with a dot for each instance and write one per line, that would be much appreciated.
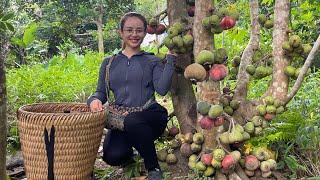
(227, 22)
(268, 116)
(206, 159)
(251, 162)
(218, 72)
(206, 123)
(173, 131)
(227, 162)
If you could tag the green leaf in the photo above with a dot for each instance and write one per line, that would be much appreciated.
(3, 26)
(29, 33)
(7, 16)
(17, 41)
(10, 26)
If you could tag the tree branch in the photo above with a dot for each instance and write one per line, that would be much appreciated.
(303, 71)
(243, 77)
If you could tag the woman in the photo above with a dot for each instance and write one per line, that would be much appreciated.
(135, 76)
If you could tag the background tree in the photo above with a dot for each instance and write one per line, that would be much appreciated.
(5, 25)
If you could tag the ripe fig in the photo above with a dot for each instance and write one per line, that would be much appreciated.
(251, 162)
(228, 162)
(173, 131)
(206, 123)
(227, 22)
(206, 159)
(218, 72)
(185, 150)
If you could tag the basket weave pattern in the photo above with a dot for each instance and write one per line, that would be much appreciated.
(77, 138)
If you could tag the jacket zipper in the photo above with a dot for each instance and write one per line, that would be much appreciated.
(126, 87)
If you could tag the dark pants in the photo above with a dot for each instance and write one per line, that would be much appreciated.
(141, 129)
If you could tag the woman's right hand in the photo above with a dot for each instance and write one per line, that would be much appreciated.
(96, 105)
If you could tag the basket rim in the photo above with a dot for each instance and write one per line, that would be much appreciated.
(22, 109)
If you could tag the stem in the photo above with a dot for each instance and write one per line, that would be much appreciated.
(220, 145)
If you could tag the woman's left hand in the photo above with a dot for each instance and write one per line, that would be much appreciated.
(172, 53)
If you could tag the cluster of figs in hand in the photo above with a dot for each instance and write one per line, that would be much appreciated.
(154, 27)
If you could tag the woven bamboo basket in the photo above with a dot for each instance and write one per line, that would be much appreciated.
(77, 134)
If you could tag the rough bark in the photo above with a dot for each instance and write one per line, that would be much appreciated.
(208, 91)
(243, 77)
(3, 108)
(183, 97)
(303, 71)
(246, 109)
(279, 85)
(100, 29)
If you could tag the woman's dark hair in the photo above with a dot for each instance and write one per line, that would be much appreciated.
(133, 14)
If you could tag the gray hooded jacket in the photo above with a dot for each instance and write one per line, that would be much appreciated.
(134, 80)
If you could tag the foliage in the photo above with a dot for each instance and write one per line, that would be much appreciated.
(61, 79)
(5, 23)
(150, 8)
(28, 36)
(104, 174)
(295, 134)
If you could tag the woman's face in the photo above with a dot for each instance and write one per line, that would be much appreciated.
(133, 32)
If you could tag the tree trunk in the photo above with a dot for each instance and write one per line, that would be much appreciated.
(3, 107)
(208, 91)
(183, 97)
(99, 24)
(279, 86)
(246, 109)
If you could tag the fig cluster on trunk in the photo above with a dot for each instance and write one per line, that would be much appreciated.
(229, 104)
(296, 52)
(295, 48)
(265, 113)
(265, 21)
(211, 61)
(261, 66)
(210, 115)
(220, 19)
(179, 39)
(259, 163)
(190, 143)
(233, 72)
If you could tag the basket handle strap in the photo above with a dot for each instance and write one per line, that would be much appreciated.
(50, 151)
(107, 79)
